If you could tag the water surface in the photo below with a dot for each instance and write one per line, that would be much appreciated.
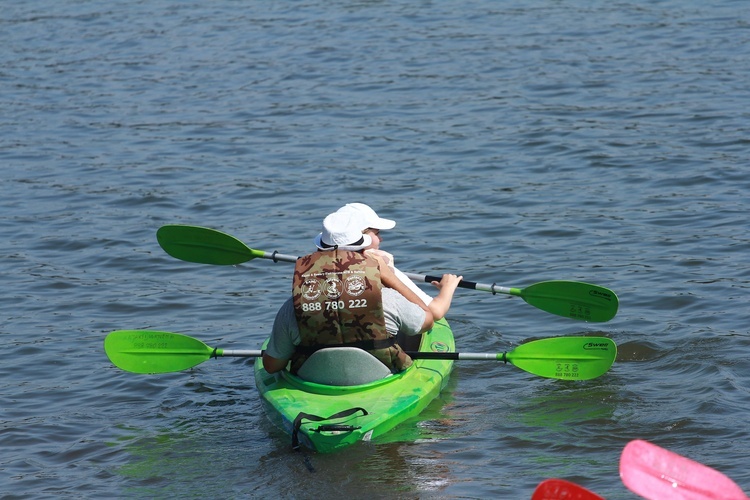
(513, 144)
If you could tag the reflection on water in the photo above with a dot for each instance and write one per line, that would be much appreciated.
(197, 440)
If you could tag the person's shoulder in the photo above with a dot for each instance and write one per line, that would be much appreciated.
(289, 302)
(286, 308)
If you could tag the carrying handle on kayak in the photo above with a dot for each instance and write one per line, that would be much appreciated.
(316, 418)
(336, 428)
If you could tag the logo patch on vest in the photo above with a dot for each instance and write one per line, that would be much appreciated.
(334, 287)
(355, 285)
(311, 289)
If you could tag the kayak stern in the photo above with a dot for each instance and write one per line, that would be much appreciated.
(327, 418)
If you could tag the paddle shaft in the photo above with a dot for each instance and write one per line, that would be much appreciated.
(279, 257)
(477, 356)
(566, 358)
(493, 288)
(505, 357)
(568, 299)
(239, 353)
(571, 299)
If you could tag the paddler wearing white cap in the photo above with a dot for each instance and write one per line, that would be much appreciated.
(373, 224)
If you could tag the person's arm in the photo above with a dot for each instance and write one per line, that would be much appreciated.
(424, 297)
(284, 337)
(389, 279)
(389, 261)
(273, 365)
(429, 320)
(403, 317)
(440, 304)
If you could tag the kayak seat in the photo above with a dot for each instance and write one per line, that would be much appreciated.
(342, 366)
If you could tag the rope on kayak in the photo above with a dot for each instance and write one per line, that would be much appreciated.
(316, 418)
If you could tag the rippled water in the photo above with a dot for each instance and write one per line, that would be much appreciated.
(513, 144)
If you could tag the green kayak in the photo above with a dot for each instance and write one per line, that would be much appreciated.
(325, 417)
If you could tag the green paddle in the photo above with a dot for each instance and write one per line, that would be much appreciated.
(570, 299)
(565, 358)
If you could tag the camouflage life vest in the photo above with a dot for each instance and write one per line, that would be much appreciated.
(338, 302)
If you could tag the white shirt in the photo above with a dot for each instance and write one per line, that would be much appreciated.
(388, 258)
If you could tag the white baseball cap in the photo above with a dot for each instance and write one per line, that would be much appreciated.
(371, 219)
(343, 231)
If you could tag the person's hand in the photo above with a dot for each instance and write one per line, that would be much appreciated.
(449, 281)
(440, 304)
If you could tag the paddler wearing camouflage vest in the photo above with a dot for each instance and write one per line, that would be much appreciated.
(338, 302)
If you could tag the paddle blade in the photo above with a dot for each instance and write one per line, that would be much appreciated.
(655, 473)
(559, 489)
(572, 299)
(566, 358)
(203, 245)
(147, 351)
